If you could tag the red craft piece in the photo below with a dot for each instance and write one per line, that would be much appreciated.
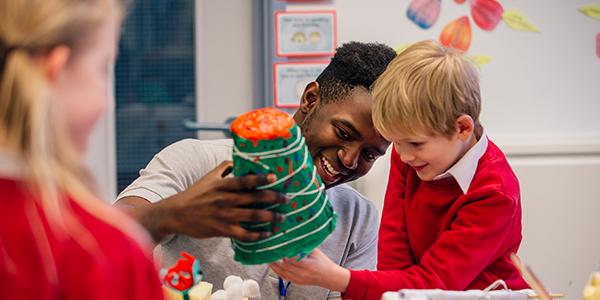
(459, 1)
(486, 13)
(263, 124)
(457, 34)
(180, 275)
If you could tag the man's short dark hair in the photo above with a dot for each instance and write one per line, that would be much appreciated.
(355, 64)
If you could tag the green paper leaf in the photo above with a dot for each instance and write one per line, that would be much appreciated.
(516, 20)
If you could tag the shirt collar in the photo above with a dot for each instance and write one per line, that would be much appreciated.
(464, 169)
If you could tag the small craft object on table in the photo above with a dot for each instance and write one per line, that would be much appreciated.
(592, 289)
(268, 140)
(234, 288)
(410, 294)
(183, 280)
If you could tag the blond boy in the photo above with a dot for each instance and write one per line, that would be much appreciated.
(452, 212)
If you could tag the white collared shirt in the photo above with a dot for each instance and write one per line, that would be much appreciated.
(464, 169)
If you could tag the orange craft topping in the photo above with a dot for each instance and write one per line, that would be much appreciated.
(263, 124)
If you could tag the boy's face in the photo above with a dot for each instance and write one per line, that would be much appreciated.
(430, 155)
(341, 137)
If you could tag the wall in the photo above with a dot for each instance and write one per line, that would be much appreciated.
(225, 60)
(100, 157)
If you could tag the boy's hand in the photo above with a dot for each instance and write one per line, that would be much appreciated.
(315, 269)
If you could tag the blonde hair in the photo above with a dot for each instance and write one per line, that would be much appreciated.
(31, 130)
(424, 90)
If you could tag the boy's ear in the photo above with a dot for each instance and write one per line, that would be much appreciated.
(465, 126)
(310, 98)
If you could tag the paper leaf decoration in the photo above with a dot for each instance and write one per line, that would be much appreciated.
(401, 48)
(457, 34)
(424, 13)
(591, 10)
(518, 21)
(486, 13)
(481, 60)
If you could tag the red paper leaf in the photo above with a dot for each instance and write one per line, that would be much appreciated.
(486, 13)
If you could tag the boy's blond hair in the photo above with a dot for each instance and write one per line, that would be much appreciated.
(424, 90)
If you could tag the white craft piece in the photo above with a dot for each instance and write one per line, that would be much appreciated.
(234, 291)
(231, 280)
(237, 289)
(250, 289)
(219, 295)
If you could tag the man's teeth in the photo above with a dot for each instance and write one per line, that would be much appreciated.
(328, 167)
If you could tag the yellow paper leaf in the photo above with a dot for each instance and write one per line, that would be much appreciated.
(481, 60)
(518, 21)
(591, 10)
(401, 48)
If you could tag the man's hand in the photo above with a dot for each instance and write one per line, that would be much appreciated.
(315, 269)
(213, 206)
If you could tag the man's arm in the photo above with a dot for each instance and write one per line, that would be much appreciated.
(213, 206)
(150, 215)
(175, 195)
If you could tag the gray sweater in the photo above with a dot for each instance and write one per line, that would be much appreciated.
(353, 244)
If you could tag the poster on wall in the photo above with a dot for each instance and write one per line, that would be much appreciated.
(305, 33)
(290, 79)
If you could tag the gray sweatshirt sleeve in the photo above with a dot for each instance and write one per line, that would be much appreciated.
(355, 233)
(177, 167)
(363, 252)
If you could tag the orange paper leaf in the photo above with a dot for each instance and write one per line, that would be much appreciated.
(457, 34)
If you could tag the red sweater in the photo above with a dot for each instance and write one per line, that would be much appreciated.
(121, 269)
(434, 236)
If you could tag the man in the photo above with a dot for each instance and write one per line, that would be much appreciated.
(335, 118)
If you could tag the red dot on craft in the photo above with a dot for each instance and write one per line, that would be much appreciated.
(296, 183)
(299, 219)
(294, 205)
(275, 228)
(304, 203)
(279, 169)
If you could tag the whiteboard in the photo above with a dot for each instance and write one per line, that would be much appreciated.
(538, 87)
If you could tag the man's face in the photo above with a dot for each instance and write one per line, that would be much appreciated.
(342, 139)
